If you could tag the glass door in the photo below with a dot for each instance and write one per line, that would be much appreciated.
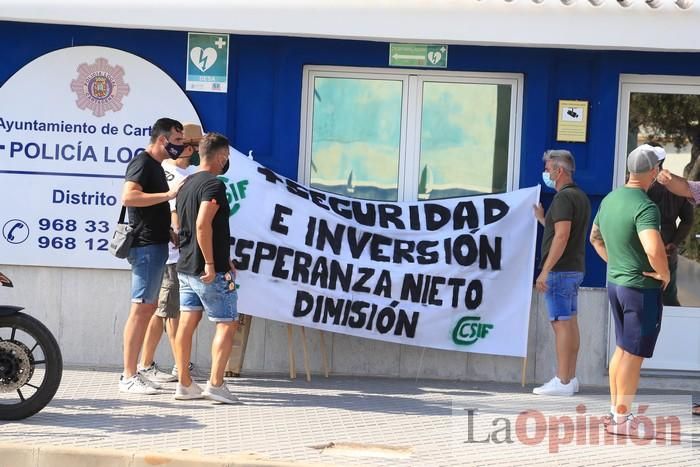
(665, 111)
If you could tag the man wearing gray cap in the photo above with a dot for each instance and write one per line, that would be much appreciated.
(626, 235)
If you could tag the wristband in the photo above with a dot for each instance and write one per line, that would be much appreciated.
(207, 262)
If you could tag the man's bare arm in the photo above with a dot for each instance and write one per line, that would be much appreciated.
(596, 239)
(205, 236)
(133, 195)
(562, 230)
(656, 253)
(675, 184)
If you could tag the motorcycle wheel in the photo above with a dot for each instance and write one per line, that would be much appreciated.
(31, 366)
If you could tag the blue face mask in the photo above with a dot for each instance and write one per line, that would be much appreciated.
(548, 181)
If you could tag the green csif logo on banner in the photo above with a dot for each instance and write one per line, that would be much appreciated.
(469, 329)
(235, 193)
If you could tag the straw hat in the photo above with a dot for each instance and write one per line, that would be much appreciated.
(192, 133)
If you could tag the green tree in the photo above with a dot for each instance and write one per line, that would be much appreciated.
(671, 118)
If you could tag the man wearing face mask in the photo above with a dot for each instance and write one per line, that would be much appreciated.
(167, 314)
(205, 270)
(146, 195)
(563, 265)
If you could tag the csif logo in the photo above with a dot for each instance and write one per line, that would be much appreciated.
(235, 193)
(469, 329)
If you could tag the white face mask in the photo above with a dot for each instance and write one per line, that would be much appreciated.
(548, 180)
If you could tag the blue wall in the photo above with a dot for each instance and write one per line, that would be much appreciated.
(261, 112)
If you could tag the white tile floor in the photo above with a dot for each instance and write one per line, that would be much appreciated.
(420, 423)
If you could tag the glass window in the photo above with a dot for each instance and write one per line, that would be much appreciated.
(464, 139)
(356, 137)
(402, 135)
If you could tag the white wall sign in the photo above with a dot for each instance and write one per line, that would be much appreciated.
(70, 121)
(452, 274)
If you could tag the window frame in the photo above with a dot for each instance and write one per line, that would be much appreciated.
(411, 113)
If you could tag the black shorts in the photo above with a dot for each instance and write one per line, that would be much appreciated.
(637, 315)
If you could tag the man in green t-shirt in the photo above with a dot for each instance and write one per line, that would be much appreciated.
(563, 265)
(626, 235)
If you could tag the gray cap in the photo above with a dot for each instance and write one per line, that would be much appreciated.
(642, 160)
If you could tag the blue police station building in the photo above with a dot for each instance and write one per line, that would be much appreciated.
(404, 101)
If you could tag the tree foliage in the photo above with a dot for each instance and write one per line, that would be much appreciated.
(672, 118)
(669, 118)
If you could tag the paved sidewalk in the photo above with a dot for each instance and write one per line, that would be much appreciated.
(371, 421)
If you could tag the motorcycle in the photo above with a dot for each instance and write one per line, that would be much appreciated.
(31, 364)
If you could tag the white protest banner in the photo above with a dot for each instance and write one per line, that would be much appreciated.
(70, 122)
(452, 274)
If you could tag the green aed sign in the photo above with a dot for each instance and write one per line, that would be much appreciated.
(421, 55)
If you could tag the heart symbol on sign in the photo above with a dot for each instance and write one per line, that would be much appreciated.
(203, 59)
(434, 57)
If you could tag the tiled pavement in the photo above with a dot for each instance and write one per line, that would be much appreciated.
(383, 422)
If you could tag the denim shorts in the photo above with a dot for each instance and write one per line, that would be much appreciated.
(147, 266)
(562, 294)
(219, 298)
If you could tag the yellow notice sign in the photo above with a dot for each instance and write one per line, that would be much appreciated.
(572, 121)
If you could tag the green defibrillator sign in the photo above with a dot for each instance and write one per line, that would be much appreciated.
(207, 62)
(420, 55)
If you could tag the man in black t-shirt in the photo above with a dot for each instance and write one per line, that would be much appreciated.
(205, 270)
(672, 208)
(563, 265)
(146, 195)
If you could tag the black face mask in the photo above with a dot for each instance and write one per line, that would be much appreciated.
(224, 169)
(194, 160)
(174, 150)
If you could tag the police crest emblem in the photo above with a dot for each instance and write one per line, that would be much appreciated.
(100, 87)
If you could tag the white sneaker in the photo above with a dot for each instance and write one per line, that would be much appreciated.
(575, 382)
(150, 383)
(195, 373)
(136, 385)
(220, 394)
(554, 387)
(630, 426)
(155, 374)
(184, 393)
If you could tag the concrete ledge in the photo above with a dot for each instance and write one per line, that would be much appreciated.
(19, 455)
(16, 454)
